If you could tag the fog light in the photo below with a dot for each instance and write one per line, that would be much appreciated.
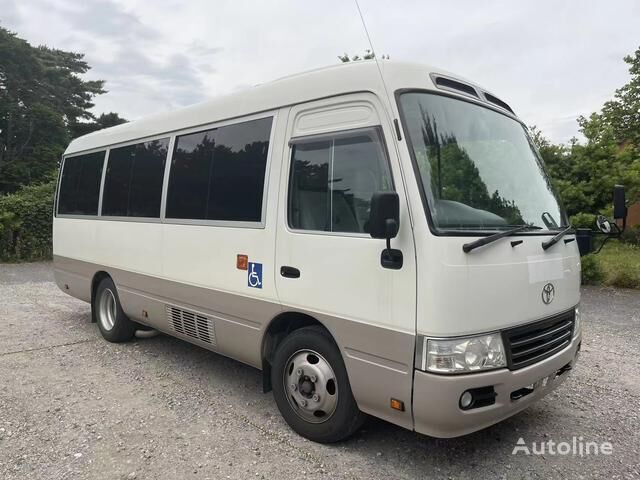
(466, 400)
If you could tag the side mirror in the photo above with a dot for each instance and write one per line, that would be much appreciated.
(603, 224)
(384, 217)
(384, 222)
(619, 203)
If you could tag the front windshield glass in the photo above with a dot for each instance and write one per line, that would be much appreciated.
(478, 167)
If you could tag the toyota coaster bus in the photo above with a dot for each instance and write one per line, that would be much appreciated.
(376, 242)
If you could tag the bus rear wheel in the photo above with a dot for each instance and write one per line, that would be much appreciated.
(113, 324)
(311, 387)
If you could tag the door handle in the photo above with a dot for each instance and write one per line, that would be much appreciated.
(289, 272)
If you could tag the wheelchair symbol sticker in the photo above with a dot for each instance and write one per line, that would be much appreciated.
(255, 275)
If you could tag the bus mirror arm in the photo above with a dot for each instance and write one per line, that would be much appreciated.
(384, 222)
(391, 228)
(391, 257)
(605, 226)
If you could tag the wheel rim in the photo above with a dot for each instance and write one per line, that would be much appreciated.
(107, 309)
(311, 386)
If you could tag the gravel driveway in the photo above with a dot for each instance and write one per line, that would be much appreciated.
(74, 406)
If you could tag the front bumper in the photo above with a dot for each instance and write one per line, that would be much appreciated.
(436, 397)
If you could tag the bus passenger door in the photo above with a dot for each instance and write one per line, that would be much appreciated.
(340, 152)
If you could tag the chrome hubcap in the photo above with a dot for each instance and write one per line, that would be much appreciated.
(311, 386)
(107, 309)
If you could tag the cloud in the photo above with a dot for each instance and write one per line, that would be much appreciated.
(172, 81)
(107, 19)
(10, 16)
(145, 71)
(551, 61)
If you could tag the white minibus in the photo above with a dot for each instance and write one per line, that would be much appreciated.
(376, 240)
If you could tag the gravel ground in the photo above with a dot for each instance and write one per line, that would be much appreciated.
(75, 406)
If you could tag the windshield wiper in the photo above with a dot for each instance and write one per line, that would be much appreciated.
(467, 247)
(552, 241)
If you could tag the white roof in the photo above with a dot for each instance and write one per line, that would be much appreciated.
(315, 84)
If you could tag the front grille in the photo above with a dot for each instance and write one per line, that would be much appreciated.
(536, 341)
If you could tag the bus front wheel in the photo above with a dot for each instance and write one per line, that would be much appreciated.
(311, 387)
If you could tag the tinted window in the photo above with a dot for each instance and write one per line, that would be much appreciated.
(80, 184)
(133, 181)
(218, 174)
(332, 181)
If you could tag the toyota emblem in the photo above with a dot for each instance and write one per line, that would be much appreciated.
(548, 292)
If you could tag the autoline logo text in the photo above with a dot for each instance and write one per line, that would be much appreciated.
(577, 446)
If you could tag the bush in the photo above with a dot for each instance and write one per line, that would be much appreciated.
(25, 223)
(621, 264)
(631, 235)
(583, 220)
(592, 272)
(624, 279)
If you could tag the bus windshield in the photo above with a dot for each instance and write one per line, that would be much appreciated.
(478, 168)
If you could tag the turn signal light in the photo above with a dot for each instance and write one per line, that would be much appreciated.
(397, 404)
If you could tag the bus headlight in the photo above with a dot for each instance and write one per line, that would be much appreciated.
(465, 354)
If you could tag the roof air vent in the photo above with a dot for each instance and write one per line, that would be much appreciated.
(450, 84)
(496, 101)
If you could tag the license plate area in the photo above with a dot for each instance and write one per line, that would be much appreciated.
(529, 389)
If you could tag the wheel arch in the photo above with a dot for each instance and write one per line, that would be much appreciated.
(95, 281)
(280, 326)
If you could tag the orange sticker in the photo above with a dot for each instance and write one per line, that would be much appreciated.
(242, 262)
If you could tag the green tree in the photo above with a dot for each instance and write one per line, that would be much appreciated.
(368, 55)
(41, 94)
(585, 172)
(105, 120)
(623, 112)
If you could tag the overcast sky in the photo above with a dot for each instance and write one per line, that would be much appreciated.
(551, 60)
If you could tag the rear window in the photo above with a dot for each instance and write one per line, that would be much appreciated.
(80, 184)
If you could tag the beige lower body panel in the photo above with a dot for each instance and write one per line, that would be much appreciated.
(435, 398)
(377, 377)
(238, 320)
(379, 361)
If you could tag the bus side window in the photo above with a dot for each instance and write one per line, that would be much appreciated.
(218, 174)
(133, 181)
(80, 184)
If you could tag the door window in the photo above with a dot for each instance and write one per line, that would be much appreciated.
(333, 178)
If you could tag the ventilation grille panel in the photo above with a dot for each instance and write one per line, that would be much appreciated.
(191, 324)
(497, 101)
(459, 87)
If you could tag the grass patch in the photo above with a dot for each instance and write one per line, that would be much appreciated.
(619, 264)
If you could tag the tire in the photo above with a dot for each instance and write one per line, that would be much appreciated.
(114, 325)
(311, 387)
